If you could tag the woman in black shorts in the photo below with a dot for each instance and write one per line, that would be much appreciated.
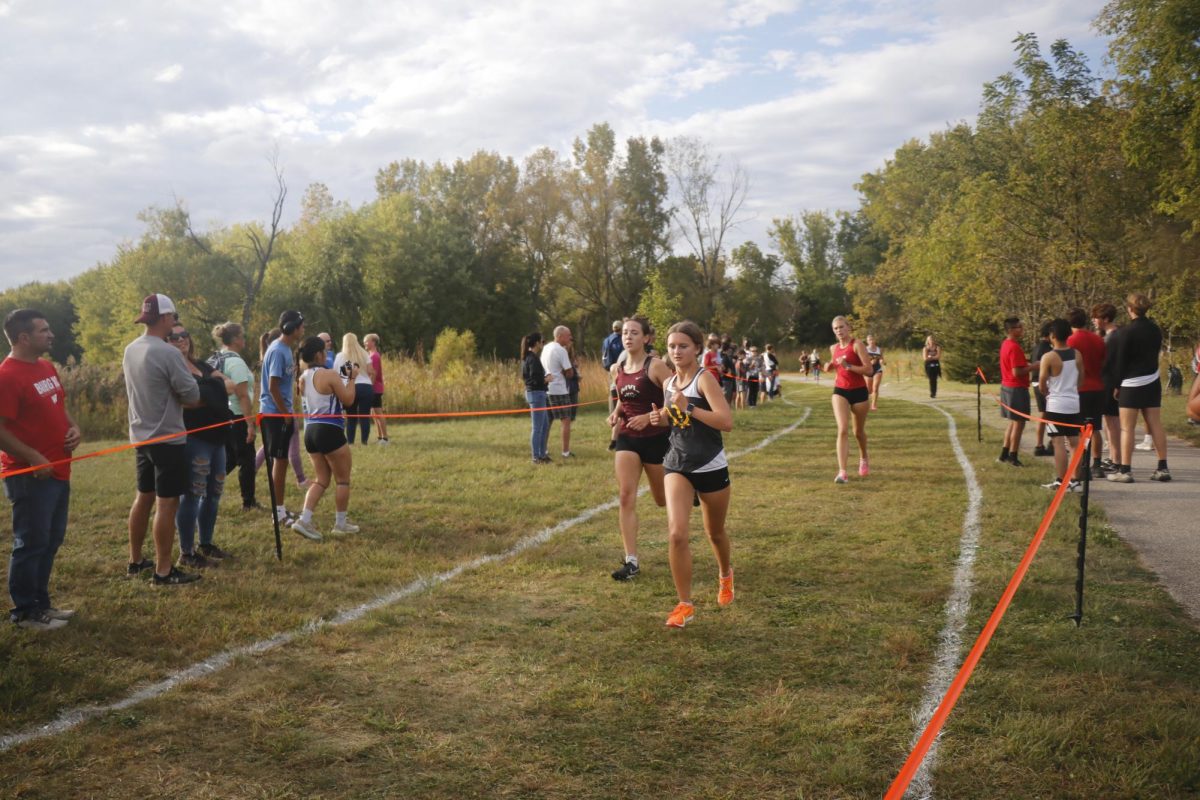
(1140, 387)
(851, 398)
(325, 392)
(640, 446)
(696, 413)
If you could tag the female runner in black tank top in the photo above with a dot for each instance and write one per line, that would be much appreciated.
(640, 447)
(696, 413)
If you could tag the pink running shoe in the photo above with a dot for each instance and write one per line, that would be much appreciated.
(863, 468)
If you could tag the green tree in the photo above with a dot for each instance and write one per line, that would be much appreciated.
(53, 300)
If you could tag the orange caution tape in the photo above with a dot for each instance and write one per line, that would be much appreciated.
(123, 447)
(1040, 419)
(116, 449)
(905, 776)
(979, 372)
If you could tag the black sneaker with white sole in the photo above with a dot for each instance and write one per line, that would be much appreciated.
(1163, 475)
(139, 568)
(627, 572)
(175, 577)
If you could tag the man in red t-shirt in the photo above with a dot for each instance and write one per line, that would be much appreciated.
(1014, 390)
(1091, 394)
(35, 430)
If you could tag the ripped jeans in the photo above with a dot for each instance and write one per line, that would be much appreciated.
(206, 463)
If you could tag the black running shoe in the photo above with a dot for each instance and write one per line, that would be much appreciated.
(211, 551)
(175, 578)
(627, 572)
(1163, 475)
(1016, 462)
(137, 569)
(1042, 450)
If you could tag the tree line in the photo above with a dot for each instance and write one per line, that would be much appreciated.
(1066, 190)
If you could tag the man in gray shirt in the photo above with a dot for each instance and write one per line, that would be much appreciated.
(159, 385)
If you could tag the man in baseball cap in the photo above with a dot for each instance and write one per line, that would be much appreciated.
(155, 306)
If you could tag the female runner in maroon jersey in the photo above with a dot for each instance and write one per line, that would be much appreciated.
(640, 446)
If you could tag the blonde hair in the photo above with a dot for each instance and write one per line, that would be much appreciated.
(373, 338)
(1139, 303)
(354, 352)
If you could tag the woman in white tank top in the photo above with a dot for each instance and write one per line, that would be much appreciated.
(325, 392)
(1060, 374)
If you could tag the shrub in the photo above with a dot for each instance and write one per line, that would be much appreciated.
(453, 347)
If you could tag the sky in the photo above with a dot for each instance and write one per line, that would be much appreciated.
(111, 108)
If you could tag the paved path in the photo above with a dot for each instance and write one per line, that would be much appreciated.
(1160, 520)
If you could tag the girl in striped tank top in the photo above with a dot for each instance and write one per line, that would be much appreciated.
(695, 412)
(325, 391)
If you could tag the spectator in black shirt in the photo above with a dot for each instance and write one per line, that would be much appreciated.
(1140, 390)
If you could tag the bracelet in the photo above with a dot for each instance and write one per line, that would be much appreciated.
(682, 419)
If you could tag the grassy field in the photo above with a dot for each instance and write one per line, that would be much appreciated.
(538, 676)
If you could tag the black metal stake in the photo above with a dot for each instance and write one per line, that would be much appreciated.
(274, 502)
(1083, 520)
(978, 406)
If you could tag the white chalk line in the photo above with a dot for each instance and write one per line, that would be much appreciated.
(949, 649)
(72, 718)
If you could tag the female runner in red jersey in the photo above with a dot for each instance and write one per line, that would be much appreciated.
(640, 446)
(851, 398)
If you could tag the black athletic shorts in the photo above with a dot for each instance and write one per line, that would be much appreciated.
(1091, 407)
(1111, 408)
(1148, 396)
(322, 438)
(377, 400)
(1053, 429)
(705, 482)
(162, 469)
(855, 396)
(650, 449)
(1016, 398)
(277, 435)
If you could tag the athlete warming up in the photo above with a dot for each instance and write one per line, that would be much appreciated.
(640, 446)
(696, 413)
(851, 398)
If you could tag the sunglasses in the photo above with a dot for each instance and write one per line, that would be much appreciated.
(176, 337)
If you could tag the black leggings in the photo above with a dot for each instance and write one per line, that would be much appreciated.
(363, 395)
(933, 370)
(240, 452)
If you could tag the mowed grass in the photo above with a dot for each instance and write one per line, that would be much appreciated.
(541, 677)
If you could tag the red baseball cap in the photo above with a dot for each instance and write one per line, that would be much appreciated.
(154, 306)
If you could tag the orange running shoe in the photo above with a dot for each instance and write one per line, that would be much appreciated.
(681, 616)
(725, 589)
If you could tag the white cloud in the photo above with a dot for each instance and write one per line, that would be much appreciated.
(169, 74)
(807, 100)
(42, 207)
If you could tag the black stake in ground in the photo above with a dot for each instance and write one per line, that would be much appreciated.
(271, 489)
(1083, 520)
(978, 405)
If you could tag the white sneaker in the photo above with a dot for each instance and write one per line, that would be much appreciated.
(383, 442)
(1147, 443)
(345, 527)
(307, 530)
(41, 622)
(60, 613)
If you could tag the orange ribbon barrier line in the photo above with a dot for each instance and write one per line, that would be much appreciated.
(156, 440)
(905, 776)
(116, 449)
(1041, 419)
(979, 372)
(428, 415)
